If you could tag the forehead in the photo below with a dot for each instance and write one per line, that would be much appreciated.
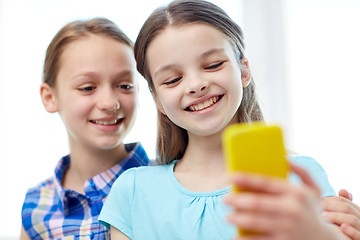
(176, 43)
(90, 43)
(182, 44)
(189, 33)
(94, 48)
(95, 55)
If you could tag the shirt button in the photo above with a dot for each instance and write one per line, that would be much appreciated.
(92, 235)
(91, 183)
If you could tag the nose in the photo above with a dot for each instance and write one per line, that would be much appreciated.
(108, 101)
(198, 86)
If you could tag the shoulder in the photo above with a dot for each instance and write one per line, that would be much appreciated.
(41, 188)
(133, 182)
(151, 169)
(141, 179)
(49, 185)
(316, 171)
(137, 153)
(38, 200)
(144, 172)
(306, 162)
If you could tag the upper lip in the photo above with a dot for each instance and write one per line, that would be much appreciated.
(202, 100)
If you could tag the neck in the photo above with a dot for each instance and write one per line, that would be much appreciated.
(203, 154)
(202, 168)
(88, 162)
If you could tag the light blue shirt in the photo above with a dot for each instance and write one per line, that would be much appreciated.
(149, 203)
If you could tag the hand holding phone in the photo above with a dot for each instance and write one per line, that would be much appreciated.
(255, 148)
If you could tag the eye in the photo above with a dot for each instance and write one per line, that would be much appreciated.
(126, 86)
(214, 66)
(87, 89)
(173, 81)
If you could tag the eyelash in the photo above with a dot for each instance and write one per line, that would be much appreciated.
(126, 87)
(214, 66)
(173, 81)
(211, 67)
(87, 89)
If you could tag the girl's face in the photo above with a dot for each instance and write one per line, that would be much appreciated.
(96, 74)
(196, 77)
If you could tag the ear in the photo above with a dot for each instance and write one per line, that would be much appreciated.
(245, 72)
(48, 98)
(158, 103)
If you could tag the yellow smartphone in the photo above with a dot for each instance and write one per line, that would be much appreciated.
(255, 148)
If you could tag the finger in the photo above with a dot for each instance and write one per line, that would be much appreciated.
(339, 204)
(305, 177)
(267, 213)
(345, 194)
(260, 183)
(261, 223)
(350, 231)
(257, 202)
(342, 218)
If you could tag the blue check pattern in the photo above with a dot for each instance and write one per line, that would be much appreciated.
(52, 212)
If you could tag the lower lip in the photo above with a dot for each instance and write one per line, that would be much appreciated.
(108, 128)
(208, 109)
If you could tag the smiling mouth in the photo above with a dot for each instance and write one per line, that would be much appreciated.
(203, 105)
(106, 123)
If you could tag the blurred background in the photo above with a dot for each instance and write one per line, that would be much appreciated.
(303, 54)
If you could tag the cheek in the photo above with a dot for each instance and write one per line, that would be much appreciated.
(74, 114)
(78, 112)
(168, 103)
(74, 105)
(234, 80)
(129, 103)
(234, 86)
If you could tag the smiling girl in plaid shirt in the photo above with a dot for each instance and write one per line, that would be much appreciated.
(89, 78)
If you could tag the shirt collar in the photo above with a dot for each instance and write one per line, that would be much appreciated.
(98, 186)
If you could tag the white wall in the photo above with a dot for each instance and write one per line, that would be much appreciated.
(324, 50)
(264, 33)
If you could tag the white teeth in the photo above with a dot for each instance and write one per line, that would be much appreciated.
(205, 104)
(106, 123)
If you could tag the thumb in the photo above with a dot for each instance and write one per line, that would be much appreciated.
(305, 177)
(345, 194)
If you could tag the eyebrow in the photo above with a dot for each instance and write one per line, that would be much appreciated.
(90, 73)
(164, 68)
(202, 56)
(212, 51)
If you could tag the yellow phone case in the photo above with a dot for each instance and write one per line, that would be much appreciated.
(255, 148)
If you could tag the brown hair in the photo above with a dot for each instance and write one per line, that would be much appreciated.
(73, 31)
(172, 140)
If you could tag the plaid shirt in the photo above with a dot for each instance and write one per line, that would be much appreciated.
(52, 212)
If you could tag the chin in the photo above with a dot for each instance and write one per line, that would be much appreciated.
(109, 145)
(208, 132)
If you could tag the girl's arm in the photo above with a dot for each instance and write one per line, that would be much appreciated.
(280, 210)
(23, 234)
(344, 213)
(116, 234)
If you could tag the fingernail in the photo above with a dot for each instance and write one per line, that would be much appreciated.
(325, 215)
